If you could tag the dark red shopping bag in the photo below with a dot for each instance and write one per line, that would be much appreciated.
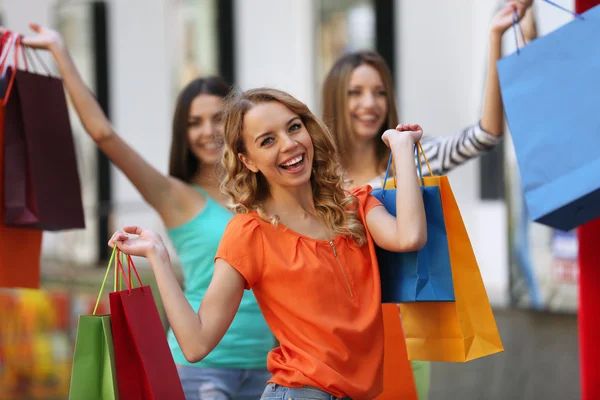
(41, 182)
(144, 364)
(19, 248)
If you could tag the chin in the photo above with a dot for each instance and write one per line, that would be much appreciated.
(364, 134)
(210, 158)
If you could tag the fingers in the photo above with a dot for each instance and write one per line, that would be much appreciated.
(517, 5)
(133, 229)
(408, 127)
(117, 239)
(120, 237)
(35, 27)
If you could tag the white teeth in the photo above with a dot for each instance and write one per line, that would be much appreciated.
(370, 118)
(293, 161)
(210, 146)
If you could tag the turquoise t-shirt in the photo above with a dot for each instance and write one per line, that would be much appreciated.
(249, 339)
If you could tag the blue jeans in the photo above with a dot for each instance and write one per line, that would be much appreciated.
(222, 383)
(274, 391)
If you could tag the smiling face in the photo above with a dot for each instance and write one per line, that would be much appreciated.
(205, 128)
(277, 144)
(367, 102)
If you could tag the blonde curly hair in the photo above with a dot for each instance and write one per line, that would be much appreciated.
(335, 207)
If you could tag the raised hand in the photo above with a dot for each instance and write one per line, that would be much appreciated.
(413, 132)
(146, 244)
(44, 38)
(504, 18)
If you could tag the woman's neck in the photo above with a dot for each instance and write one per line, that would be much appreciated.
(363, 165)
(206, 177)
(297, 201)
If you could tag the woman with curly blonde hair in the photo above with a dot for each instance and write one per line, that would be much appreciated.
(303, 244)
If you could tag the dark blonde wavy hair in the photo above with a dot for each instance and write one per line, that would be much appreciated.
(335, 102)
(334, 206)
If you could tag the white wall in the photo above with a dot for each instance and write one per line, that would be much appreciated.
(275, 46)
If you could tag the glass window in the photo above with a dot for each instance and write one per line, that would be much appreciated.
(196, 40)
(343, 25)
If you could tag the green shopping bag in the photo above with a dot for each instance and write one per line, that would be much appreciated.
(94, 376)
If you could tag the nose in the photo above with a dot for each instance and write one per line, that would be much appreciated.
(367, 100)
(287, 143)
(206, 129)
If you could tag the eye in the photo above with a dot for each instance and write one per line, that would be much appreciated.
(382, 93)
(193, 123)
(295, 127)
(353, 92)
(266, 142)
(217, 118)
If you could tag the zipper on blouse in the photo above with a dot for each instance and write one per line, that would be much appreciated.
(342, 268)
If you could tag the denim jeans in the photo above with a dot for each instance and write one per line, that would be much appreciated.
(222, 383)
(273, 391)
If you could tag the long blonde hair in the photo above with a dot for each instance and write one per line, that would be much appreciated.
(335, 207)
(335, 103)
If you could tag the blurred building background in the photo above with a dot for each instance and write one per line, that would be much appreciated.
(136, 54)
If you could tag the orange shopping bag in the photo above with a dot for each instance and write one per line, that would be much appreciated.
(398, 380)
(457, 331)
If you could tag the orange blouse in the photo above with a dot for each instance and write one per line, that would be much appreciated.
(321, 299)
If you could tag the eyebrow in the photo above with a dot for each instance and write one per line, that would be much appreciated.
(268, 133)
(360, 87)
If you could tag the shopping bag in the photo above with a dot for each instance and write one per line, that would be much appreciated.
(93, 375)
(422, 275)
(550, 89)
(41, 182)
(145, 366)
(398, 380)
(20, 249)
(453, 331)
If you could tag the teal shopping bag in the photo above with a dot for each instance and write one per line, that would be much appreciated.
(550, 90)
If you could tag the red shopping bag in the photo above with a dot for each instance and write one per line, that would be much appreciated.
(19, 248)
(145, 366)
(41, 182)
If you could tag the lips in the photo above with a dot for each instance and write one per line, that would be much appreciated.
(368, 118)
(293, 163)
(209, 146)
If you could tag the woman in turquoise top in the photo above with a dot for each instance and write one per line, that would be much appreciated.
(192, 208)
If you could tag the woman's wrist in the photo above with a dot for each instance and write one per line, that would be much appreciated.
(159, 256)
(402, 143)
(58, 48)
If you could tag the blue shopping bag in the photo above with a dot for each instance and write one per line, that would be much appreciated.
(550, 90)
(417, 276)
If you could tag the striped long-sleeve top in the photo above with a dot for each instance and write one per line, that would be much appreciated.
(448, 152)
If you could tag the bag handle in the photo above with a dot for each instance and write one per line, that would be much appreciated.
(112, 257)
(118, 266)
(517, 23)
(3, 67)
(576, 15)
(28, 50)
(130, 266)
(118, 277)
(6, 43)
(418, 153)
